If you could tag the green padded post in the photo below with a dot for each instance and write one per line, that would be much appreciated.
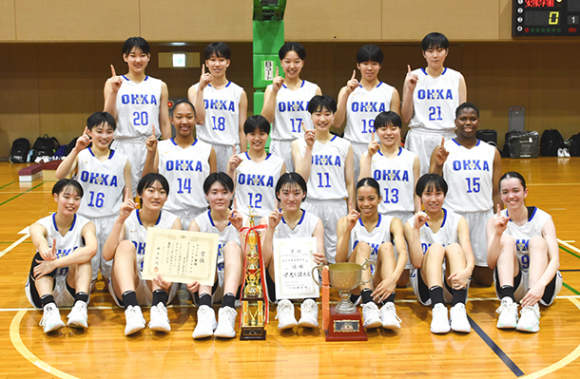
(268, 37)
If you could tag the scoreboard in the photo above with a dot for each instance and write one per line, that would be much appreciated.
(545, 18)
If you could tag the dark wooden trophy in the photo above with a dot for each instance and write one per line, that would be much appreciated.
(344, 320)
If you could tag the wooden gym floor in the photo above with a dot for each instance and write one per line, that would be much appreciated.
(104, 351)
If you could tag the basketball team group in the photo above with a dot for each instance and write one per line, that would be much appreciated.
(436, 214)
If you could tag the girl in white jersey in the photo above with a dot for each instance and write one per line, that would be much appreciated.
(60, 274)
(138, 102)
(185, 162)
(366, 234)
(396, 170)
(126, 245)
(225, 104)
(360, 102)
(219, 190)
(430, 97)
(104, 175)
(256, 172)
(325, 161)
(290, 221)
(440, 251)
(286, 102)
(472, 169)
(523, 248)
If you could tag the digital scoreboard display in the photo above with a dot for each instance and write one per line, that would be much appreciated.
(545, 18)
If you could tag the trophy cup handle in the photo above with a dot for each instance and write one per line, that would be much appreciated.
(365, 265)
(314, 277)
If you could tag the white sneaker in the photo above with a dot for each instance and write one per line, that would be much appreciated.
(226, 323)
(529, 319)
(561, 153)
(206, 322)
(371, 316)
(159, 320)
(285, 315)
(440, 322)
(309, 314)
(134, 319)
(459, 321)
(51, 318)
(566, 153)
(508, 314)
(389, 317)
(77, 318)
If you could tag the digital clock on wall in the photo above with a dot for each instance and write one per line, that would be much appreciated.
(545, 18)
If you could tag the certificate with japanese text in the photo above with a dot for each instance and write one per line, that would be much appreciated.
(293, 263)
(181, 256)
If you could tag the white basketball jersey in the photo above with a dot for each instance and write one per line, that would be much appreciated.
(256, 184)
(66, 244)
(362, 107)
(327, 180)
(469, 175)
(292, 115)
(435, 100)
(185, 170)
(138, 108)
(304, 228)
(137, 233)
(103, 183)
(447, 233)
(522, 234)
(222, 114)
(230, 233)
(396, 179)
(379, 235)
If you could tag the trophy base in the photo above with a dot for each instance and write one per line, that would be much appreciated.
(345, 327)
(252, 333)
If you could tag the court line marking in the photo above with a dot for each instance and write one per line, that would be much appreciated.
(23, 350)
(562, 362)
(6, 185)
(552, 184)
(26, 232)
(496, 349)
(22, 193)
(565, 243)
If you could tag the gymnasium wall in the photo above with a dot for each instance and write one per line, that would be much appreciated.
(51, 87)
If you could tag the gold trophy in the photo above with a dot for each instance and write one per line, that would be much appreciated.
(253, 304)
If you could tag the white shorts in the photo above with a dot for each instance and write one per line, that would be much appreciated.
(103, 227)
(422, 143)
(477, 222)
(222, 155)
(62, 297)
(404, 216)
(522, 288)
(187, 216)
(329, 212)
(283, 148)
(358, 149)
(144, 294)
(136, 152)
(422, 290)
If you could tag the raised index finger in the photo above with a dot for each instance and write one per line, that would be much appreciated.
(353, 75)
(113, 73)
(372, 136)
(409, 69)
(498, 211)
(277, 71)
(152, 130)
(203, 69)
(442, 141)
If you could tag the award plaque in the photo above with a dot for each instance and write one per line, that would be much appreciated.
(180, 256)
(345, 321)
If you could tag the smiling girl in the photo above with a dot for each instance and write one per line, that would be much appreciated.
(60, 274)
(286, 102)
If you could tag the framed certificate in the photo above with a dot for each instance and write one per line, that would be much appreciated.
(181, 256)
(293, 263)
